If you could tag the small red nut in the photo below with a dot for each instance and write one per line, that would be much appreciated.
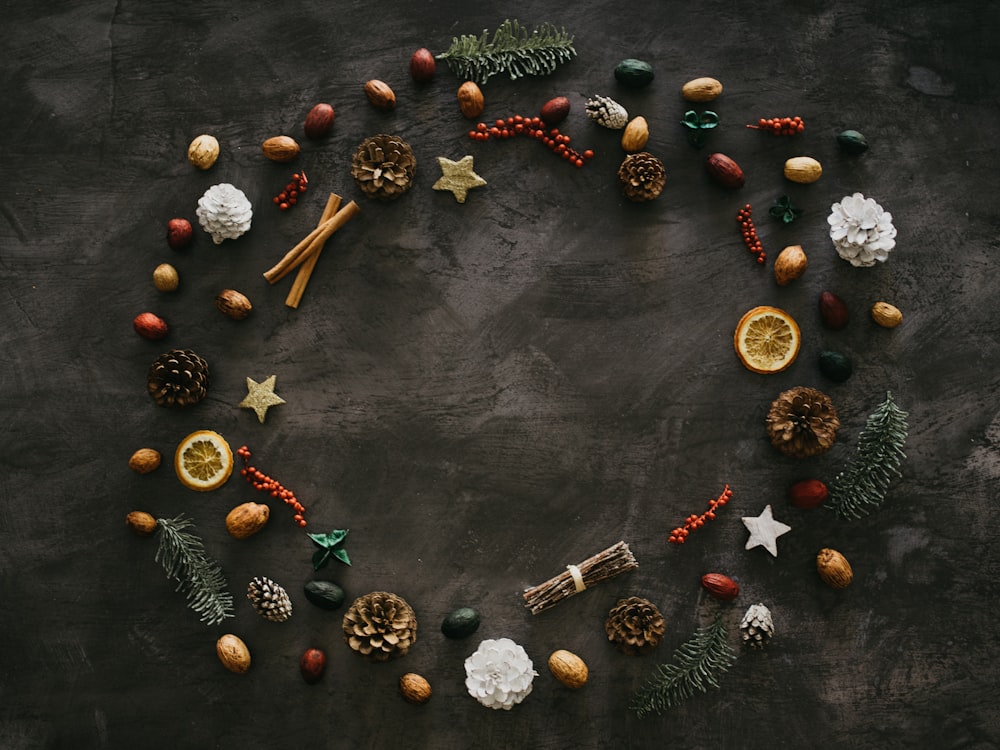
(555, 110)
(833, 311)
(725, 171)
(809, 493)
(319, 121)
(422, 65)
(720, 586)
(312, 665)
(179, 233)
(150, 326)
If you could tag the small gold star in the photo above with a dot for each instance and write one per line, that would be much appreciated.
(261, 397)
(458, 177)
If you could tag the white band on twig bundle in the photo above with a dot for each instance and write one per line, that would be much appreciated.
(577, 578)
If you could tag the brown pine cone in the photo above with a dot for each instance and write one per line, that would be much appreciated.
(802, 422)
(642, 176)
(380, 626)
(383, 166)
(635, 625)
(178, 378)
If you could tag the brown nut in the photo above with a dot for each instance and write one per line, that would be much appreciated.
(555, 111)
(280, 148)
(380, 95)
(233, 653)
(166, 278)
(203, 151)
(144, 460)
(701, 90)
(414, 688)
(790, 264)
(422, 65)
(470, 100)
(141, 523)
(725, 171)
(233, 303)
(834, 569)
(803, 169)
(886, 315)
(247, 519)
(636, 135)
(833, 311)
(720, 586)
(319, 121)
(568, 668)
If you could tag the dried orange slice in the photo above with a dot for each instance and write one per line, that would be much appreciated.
(767, 339)
(203, 461)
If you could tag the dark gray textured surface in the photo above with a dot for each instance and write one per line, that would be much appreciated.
(486, 392)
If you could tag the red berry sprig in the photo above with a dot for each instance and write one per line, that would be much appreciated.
(749, 231)
(533, 127)
(290, 195)
(780, 125)
(692, 522)
(264, 483)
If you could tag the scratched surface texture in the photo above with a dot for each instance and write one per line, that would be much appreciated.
(485, 392)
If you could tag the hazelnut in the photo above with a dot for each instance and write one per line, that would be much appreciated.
(165, 278)
(144, 460)
(203, 151)
(233, 303)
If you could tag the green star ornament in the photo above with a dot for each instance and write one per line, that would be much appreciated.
(458, 177)
(261, 397)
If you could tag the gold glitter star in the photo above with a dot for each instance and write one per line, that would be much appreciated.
(458, 177)
(261, 397)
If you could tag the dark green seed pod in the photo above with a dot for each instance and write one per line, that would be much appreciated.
(461, 623)
(852, 142)
(836, 366)
(634, 73)
(324, 594)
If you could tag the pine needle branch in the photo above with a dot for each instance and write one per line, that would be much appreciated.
(861, 488)
(512, 50)
(693, 668)
(184, 559)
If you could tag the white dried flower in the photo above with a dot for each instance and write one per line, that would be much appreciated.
(499, 674)
(224, 212)
(861, 230)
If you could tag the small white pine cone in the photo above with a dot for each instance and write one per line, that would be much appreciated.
(757, 627)
(224, 212)
(499, 674)
(269, 600)
(607, 112)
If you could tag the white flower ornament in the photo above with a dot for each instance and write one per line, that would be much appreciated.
(499, 674)
(861, 230)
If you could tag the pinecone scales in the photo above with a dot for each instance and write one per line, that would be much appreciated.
(269, 600)
(802, 422)
(642, 177)
(380, 626)
(383, 166)
(178, 378)
(607, 112)
(635, 625)
(757, 626)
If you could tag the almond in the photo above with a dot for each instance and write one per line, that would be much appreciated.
(720, 586)
(233, 653)
(280, 148)
(701, 90)
(803, 169)
(834, 569)
(414, 688)
(725, 171)
(144, 460)
(422, 65)
(833, 311)
(555, 110)
(636, 135)
(380, 95)
(234, 304)
(568, 668)
(247, 519)
(470, 100)
(319, 121)
(790, 264)
(809, 493)
(886, 315)
(141, 523)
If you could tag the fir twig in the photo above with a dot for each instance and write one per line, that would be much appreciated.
(862, 486)
(693, 667)
(512, 50)
(184, 559)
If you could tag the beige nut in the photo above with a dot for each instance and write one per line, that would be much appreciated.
(144, 460)
(636, 135)
(233, 653)
(380, 95)
(247, 519)
(803, 169)
(140, 522)
(886, 315)
(790, 264)
(470, 100)
(166, 278)
(701, 90)
(280, 148)
(834, 569)
(414, 688)
(203, 151)
(568, 668)
(233, 303)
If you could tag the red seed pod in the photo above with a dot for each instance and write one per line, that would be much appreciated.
(312, 665)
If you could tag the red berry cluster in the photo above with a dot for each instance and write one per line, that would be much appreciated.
(534, 128)
(692, 522)
(264, 483)
(750, 238)
(290, 195)
(780, 125)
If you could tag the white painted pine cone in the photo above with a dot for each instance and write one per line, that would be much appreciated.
(224, 212)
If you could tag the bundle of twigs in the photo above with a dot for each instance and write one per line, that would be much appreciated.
(607, 564)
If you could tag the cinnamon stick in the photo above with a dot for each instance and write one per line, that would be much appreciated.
(305, 270)
(310, 244)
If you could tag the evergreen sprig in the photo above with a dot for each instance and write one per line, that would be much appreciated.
(512, 50)
(693, 668)
(862, 486)
(184, 559)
